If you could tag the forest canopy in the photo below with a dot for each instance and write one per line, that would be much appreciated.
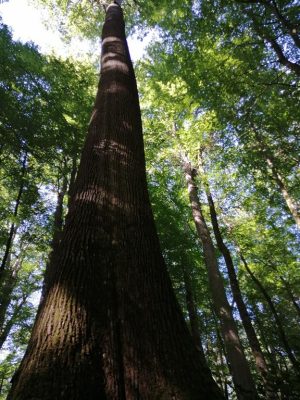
(219, 93)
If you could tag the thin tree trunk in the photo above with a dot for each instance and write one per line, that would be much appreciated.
(271, 305)
(282, 58)
(260, 328)
(291, 28)
(290, 202)
(278, 179)
(292, 66)
(222, 352)
(273, 362)
(192, 312)
(72, 180)
(290, 294)
(240, 370)
(222, 376)
(287, 287)
(56, 236)
(259, 358)
(110, 326)
(58, 217)
(13, 228)
(4, 332)
(287, 25)
(9, 283)
(10, 280)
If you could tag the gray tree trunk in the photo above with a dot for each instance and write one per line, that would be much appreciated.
(243, 381)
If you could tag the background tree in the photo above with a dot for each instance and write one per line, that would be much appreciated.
(213, 77)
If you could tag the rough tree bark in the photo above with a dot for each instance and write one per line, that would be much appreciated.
(109, 326)
(239, 367)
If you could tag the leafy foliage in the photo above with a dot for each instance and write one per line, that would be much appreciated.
(214, 82)
(45, 105)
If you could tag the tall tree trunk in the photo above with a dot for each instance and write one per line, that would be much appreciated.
(259, 358)
(272, 307)
(109, 326)
(240, 370)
